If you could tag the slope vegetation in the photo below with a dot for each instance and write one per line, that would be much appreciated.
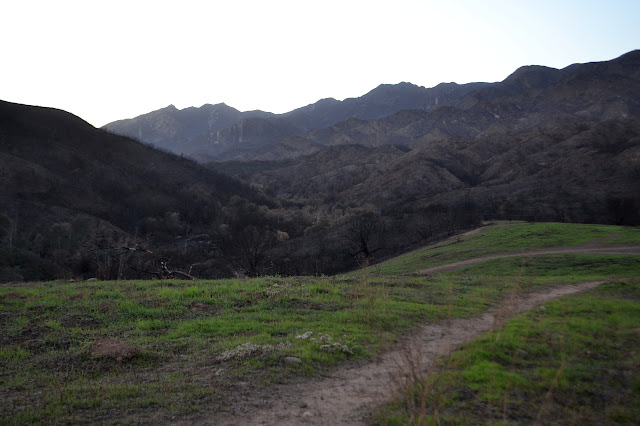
(72, 193)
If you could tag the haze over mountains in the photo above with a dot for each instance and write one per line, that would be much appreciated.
(215, 132)
(321, 188)
(520, 102)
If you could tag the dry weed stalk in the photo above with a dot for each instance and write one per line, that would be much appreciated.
(415, 368)
(506, 310)
(546, 403)
(369, 293)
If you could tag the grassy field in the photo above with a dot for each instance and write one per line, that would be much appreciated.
(506, 237)
(572, 361)
(189, 346)
(571, 267)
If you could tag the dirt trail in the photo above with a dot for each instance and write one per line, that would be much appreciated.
(587, 249)
(346, 396)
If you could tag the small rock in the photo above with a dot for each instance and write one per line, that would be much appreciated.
(305, 335)
(292, 360)
(307, 414)
(303, 405)
(543, 308)
(92, 279)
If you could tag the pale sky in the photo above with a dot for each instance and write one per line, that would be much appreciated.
(109, 60)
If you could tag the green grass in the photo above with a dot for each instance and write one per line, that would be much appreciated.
(580, 267)
(505, 238)
(197, 340)
(183, 328)
(576, 361)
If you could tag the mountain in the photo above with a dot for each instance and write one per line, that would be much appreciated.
(71, 194)
(241, 140)
(399, 114)
(169, 128)
(244, 136)
(543, 144)
(525, 100)
(380, 102)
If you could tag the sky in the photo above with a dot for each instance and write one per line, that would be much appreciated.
(108, 60)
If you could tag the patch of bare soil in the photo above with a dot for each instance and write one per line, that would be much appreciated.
(350, 393)
(114, 349)
(14, 296)
(585, 249)
(198, 306)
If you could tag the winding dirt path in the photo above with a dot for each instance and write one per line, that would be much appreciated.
(587, 249)
(347, 395)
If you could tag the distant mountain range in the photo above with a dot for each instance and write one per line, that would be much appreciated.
(528, 99)
(219, 132)
(544, 143)
(400, 114)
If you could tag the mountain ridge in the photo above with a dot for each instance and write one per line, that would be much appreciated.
(206, 143)
(283, 132)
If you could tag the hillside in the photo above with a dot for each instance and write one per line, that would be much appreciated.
(76, 198)
(594, 162)
(285, 350)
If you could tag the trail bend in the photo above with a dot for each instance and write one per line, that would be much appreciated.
(349, 394)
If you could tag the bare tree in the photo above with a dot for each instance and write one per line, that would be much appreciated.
(366, 236)
(249, 248)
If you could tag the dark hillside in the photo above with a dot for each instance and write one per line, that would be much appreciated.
(99, 191)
